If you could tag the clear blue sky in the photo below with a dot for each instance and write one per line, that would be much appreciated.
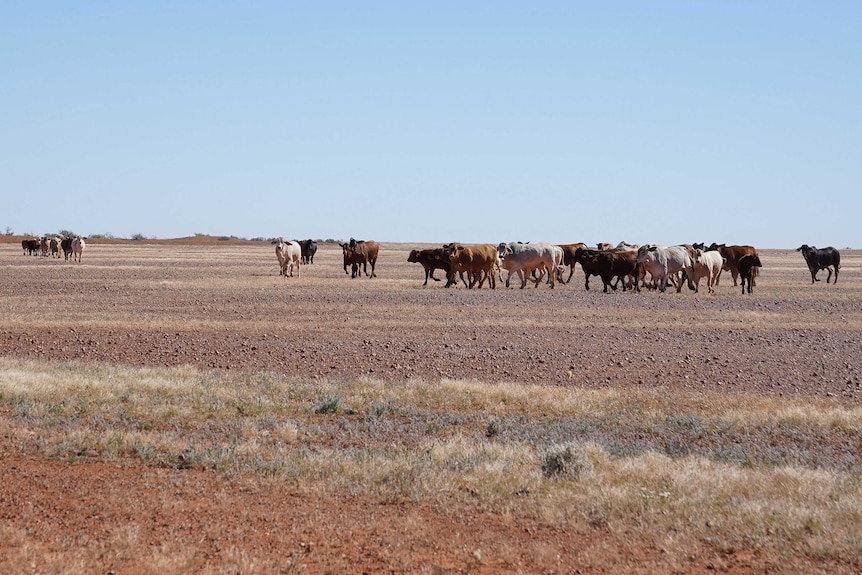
(662, 122)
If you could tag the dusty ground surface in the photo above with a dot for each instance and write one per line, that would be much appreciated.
(223, 306)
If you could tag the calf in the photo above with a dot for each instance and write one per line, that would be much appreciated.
(818, 259)
(748, 265)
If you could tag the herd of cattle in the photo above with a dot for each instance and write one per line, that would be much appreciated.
(72, 248)
(630, 265)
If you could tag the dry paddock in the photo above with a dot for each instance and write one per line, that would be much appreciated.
(222, 305)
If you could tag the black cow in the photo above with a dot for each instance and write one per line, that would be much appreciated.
(30, 246)
(818, 259)
(66, 246)
(608, 265)
(308, 249)
(747, 266)
(431, 259)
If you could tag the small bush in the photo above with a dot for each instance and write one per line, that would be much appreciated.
(568, 459)
(328, 404)
(378, 409)
(492, 429)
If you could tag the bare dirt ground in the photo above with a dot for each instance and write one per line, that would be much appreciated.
(222, 305)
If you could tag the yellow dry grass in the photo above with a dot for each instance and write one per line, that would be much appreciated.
(271, 426)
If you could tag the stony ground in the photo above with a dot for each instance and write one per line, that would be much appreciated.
(222, 305)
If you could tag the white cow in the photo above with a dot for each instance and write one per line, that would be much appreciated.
(279, 254)
(705, 264)
(627, 247)
(78, 245)
(289, 255)
(522, 258)
(661, 261)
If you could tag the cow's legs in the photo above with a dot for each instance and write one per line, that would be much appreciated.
(829, 276)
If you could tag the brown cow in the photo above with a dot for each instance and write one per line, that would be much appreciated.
(569, 257)
(55, 247)
(604, 246)
(360, 253)
(431, 259)
(478, 260)
(731, 255)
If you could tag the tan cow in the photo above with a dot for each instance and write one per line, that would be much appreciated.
(477, 260)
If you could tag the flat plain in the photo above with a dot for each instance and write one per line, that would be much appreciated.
(178, 406)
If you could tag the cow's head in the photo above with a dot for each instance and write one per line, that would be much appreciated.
(583, 253)
(805, 248)
(413, 257)
(348, 252)
(504, 249)
(715, 246)
(454, 251)
(644, 251)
